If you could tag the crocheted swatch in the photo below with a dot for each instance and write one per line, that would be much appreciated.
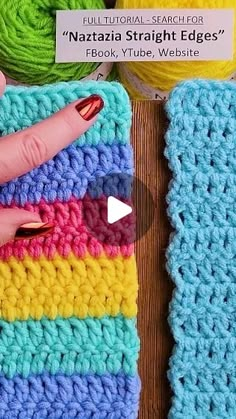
(201, 148)
(68, 338)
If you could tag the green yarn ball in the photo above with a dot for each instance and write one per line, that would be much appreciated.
(28, 39)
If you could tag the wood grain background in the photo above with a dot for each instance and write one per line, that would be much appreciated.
(149, 126)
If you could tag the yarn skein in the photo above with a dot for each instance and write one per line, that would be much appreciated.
(28, 37)
(165, 75)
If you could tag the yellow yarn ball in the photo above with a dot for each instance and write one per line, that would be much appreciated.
(165, 75)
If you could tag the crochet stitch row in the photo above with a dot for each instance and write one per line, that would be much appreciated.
(76, 222)
(69, 174)
(201, 148)
(109, 344)
(22, 107)
(61, 396)
(66, 287)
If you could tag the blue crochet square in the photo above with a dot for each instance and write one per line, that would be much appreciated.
(201, 149)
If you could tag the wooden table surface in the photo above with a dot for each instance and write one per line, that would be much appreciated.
(149, 125)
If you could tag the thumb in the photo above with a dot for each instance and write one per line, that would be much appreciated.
(11, 219)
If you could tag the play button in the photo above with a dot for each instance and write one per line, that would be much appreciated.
(116, 210)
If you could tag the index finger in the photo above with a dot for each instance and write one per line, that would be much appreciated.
(22, 151)
(2, 83)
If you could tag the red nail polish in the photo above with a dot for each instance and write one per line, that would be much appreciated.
(32, 230)
(90, 106)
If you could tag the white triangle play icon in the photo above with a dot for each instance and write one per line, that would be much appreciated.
(116, 210)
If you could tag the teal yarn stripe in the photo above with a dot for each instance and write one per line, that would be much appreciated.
(28, 40)
(22, 107)
(98, 346)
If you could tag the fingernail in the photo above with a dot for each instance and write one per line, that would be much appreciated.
(90, 106)
(32, 230)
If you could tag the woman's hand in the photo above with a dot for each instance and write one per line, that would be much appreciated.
(22, 151)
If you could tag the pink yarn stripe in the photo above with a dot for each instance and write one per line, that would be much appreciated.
(70, 233)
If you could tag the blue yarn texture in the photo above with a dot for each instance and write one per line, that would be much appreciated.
(70, 173)
(78, 396)
(201, 149)
(103, 150)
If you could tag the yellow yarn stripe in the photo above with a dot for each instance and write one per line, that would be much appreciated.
(67, 287)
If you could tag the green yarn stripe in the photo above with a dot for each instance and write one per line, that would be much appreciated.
(27, 39)
(108, 344)
(22, 107)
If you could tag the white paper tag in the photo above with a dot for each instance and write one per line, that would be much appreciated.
(144, 35)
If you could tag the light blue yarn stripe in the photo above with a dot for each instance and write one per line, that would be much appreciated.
(203, 374)
(98, 346)
(201, 149)
(22, 107)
